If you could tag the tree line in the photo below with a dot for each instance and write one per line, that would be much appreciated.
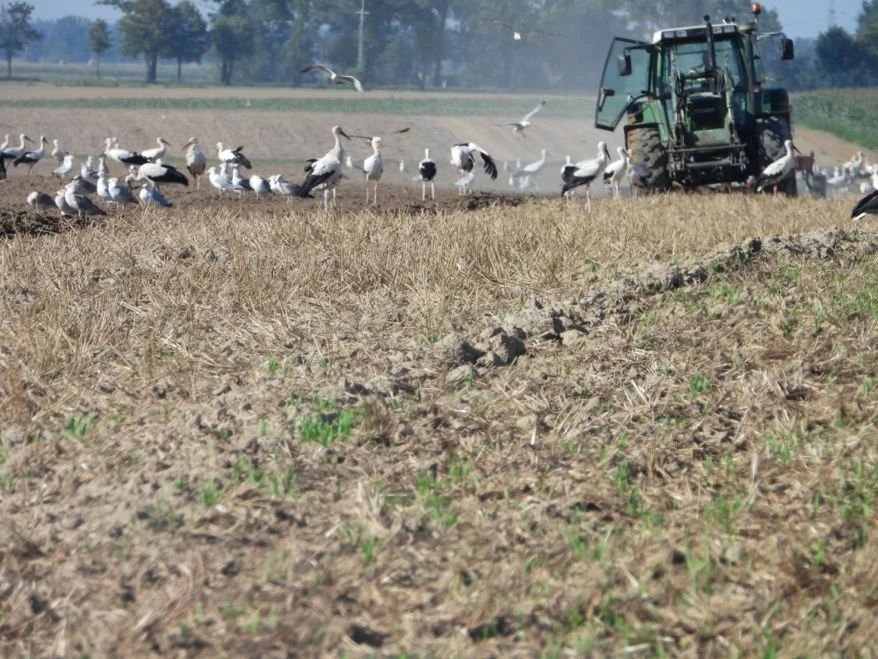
(416, 43)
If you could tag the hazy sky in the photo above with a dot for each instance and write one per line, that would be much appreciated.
(800, 18)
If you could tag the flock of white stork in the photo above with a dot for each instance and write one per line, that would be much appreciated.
(146, 172)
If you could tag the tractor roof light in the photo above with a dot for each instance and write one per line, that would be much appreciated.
(756, 8)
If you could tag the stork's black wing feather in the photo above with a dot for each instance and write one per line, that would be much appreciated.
(868, 204)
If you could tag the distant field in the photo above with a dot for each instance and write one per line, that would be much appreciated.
(851, 114)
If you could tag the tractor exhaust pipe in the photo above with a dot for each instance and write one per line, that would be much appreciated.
(710, 64)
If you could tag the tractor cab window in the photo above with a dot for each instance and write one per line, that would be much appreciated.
(689, 59)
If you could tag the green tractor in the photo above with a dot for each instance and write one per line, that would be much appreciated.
(697, 110)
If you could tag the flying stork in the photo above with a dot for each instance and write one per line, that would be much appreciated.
(518, 127)
(335, 78)
(462, 157)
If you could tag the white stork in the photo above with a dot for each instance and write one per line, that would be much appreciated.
(517, 34)
(462, 157)
(518, 127)
(616, 170)
(156, 152)
(31, 158)
(427, 172)
(232, 156)
(11, 153)
(530, 171)
(57, 153)
(326, 170)
(373, 168)
(585, 172)
(335, 78)
(775, 172)
(196, 162)
(158, 172)
(114, 152)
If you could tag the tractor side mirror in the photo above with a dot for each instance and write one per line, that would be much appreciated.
(787, 51)
(623, 65)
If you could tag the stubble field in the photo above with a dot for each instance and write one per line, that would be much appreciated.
(496, 426)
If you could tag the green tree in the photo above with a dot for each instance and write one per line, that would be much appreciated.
(189, 38)
(867, 27)
(16, 30)
(231, 36)
(99, 41)
(145, 29)
(842, 60)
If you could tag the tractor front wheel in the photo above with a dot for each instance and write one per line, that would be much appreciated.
(649, 158)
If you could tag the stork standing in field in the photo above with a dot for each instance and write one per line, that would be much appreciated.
(232, 156)
(529, 171)
(585, 172)
(518, 127)
(774, 173)
(57, 153)
(463, 157)
(11, 153)
(114, 152)
(868, 205)
(196, 162)
(427, 172)
(158, 152)
(637, 177)
(31, 158)
(158, 172)
(373, 168)
(335, 78)
(616, 170)
(326, 171)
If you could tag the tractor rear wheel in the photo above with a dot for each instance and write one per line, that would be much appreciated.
(773, 132)
(649, 158)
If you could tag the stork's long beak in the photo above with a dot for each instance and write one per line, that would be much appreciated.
(795, 148)
(341, 132)
(27, 139)
(187, 145)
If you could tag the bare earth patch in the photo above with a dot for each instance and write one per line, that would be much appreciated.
(250, 429)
